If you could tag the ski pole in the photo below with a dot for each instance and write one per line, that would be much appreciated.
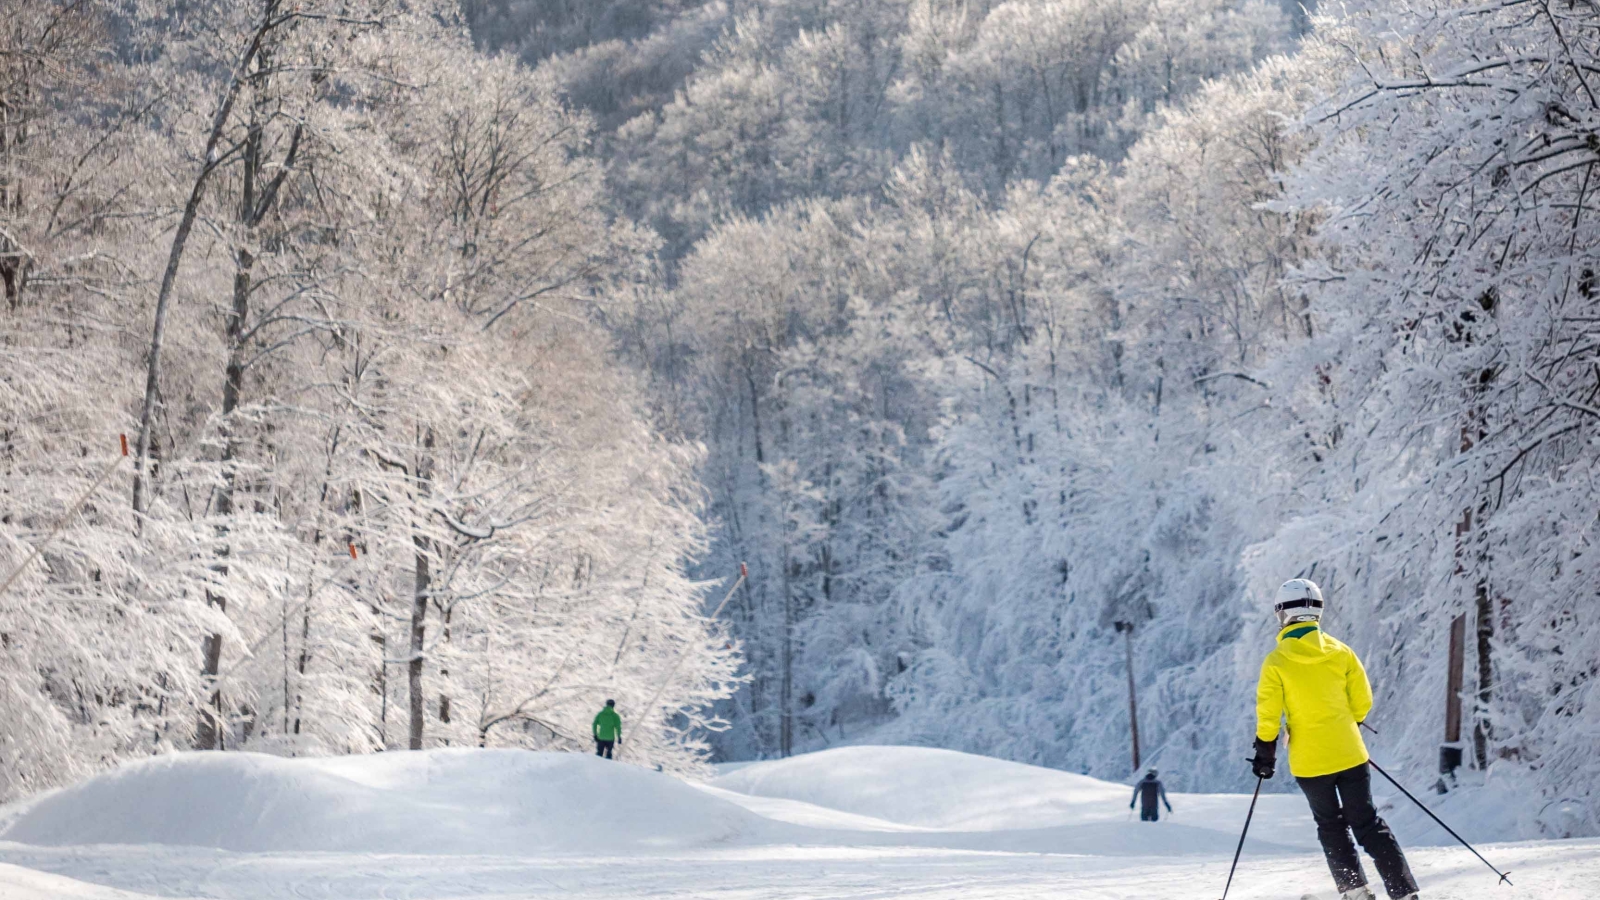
(1390, 778)
(1503, 876)
(1240, 849)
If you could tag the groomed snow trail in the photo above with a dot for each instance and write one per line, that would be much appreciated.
(862, 822)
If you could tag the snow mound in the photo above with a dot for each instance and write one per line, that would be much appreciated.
(18, 883)
(513, 803)
(430, 802)
(930, 788)
(923, 797)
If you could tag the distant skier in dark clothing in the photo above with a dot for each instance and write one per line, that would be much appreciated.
(1147, 792)
(607, 730)
(1320, 686)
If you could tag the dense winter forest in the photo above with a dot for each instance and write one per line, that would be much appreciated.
(465, 351)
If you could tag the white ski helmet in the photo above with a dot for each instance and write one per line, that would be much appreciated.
(1299, 600)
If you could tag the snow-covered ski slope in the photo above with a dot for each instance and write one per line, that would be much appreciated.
(858, 822)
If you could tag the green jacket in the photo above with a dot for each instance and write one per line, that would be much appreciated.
(608, 725)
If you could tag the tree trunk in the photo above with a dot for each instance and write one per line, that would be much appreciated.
(444, 673)
(382, 685)
(209, 734)
(180, 242)
(421, 589)
(208, 731)
(786, 691)
(1483, 729)
(232, 389)
(304, 660)
(419, 616)
(13, 135)
(755, 411)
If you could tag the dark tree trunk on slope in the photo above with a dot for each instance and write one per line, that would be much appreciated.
(422, 584)
(180, 242)
(786, 690)
(208, 735)
(419, 627)
(256, 199)
(1482, 730)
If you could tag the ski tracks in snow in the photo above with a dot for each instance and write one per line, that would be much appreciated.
(846, 824)
(1565, 870)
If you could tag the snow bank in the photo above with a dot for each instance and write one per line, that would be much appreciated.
(19, 883)
(1507, 805)
(929, 788)
(431, 802)
(523, 804)
(961, 801)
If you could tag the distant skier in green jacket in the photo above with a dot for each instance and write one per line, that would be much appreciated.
(607, 730)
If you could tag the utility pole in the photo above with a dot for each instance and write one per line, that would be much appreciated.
(786, 686)
(1450, 752)
(1126, 630)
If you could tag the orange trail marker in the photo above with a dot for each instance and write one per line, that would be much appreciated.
(352, 546)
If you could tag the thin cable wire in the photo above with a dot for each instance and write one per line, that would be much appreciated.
(71, 514)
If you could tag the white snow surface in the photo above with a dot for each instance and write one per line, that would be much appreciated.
(851, 822)
(439, 801)
(933, 788)
(17, 883)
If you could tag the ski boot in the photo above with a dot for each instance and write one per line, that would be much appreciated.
(1361, 892)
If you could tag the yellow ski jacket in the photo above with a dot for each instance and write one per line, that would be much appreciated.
(1320, 684)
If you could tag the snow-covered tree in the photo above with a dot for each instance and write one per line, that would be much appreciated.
(385, 435)
(1454, 307)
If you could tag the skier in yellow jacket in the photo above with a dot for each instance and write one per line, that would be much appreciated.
(1319, 684)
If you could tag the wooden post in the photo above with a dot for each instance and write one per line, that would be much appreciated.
(1450, 750)
(1126, 629)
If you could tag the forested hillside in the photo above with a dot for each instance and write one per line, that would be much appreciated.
(331, 271)
(995, 337)
(1007, 322)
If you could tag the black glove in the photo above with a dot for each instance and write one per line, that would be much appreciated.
(1264, 763)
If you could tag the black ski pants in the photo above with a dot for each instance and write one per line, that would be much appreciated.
(1149, 814)
(603, 748)
(1341, 803)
